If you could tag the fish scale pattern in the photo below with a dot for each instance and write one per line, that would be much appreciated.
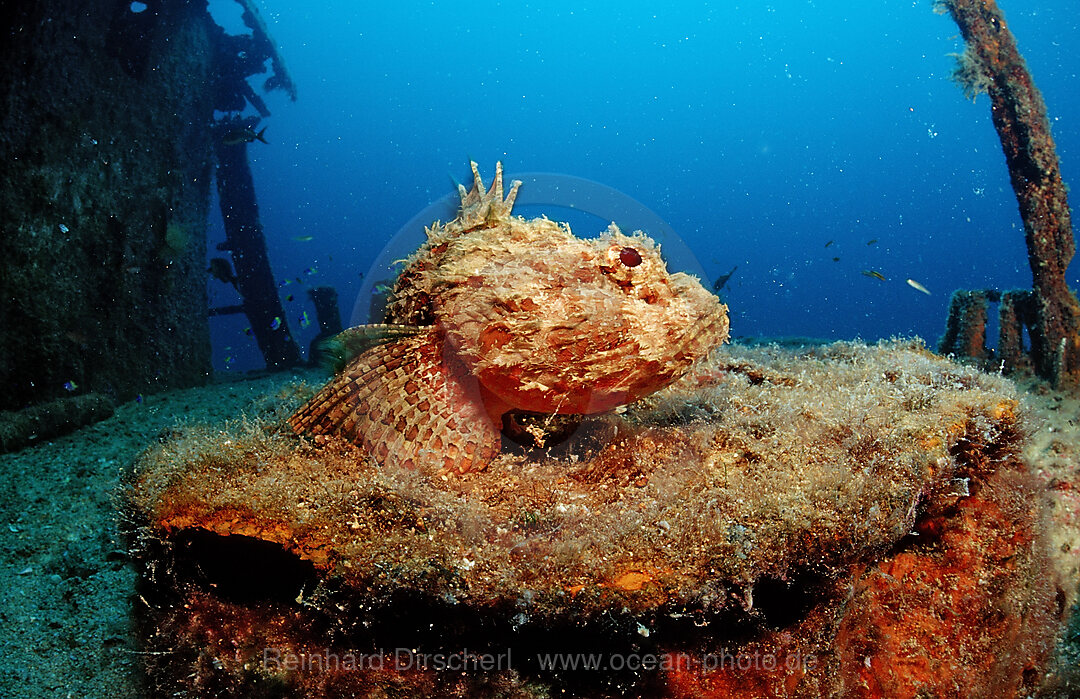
(408, 403)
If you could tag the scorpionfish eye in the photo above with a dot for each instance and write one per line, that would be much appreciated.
(630, 257)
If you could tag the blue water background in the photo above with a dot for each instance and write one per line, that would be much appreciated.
(759, 131)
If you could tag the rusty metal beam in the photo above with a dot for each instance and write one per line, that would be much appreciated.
(992, 64)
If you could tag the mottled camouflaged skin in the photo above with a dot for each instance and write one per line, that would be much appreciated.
(514, 315)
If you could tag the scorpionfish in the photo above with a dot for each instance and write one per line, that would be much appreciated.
(496, 315)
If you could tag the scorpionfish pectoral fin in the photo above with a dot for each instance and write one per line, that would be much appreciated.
(410, 402)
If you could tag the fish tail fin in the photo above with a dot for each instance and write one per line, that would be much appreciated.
(408, 403)
(261, 137)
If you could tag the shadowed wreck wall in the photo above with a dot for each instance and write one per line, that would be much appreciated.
(105, 156)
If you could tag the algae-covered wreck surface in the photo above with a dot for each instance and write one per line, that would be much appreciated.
(839, 519)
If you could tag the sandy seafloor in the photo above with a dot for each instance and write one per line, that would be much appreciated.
(67, 588)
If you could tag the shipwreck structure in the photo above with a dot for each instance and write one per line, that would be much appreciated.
(103, 274)
(236, 58)
(105, 205)
(1050, 312)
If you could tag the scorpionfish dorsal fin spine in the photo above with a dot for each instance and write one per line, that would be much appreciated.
(409, 402)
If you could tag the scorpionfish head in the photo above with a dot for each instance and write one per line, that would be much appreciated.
(552, 323)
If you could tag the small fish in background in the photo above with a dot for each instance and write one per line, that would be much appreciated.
(235, 137)
(310, 270)
(304, 320)
(874, 274)
(275, 323)
(303, 238)
(829, 243)
(247, 331)
(836, 259)
(289, 297)
(139, 398)
(872, 241)
(63, 228)
(70, 386)
(722, 280)
(222, 270)
(918, 287)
